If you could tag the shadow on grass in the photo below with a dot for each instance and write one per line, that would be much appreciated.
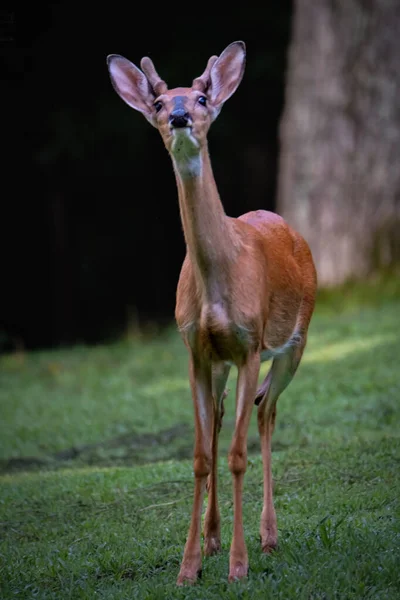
(132, 448)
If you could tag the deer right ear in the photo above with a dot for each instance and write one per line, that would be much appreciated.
(132, 85)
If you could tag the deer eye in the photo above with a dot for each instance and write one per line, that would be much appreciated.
(157, 106)
(202, 100)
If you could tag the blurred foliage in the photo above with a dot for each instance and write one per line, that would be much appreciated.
(380, 287)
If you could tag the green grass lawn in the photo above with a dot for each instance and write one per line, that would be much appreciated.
(96, 473)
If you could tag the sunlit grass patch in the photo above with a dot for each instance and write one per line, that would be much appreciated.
(340, 350)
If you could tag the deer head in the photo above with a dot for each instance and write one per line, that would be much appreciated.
(182, 115)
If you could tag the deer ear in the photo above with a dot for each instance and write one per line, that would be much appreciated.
(131, 85)
(227, 73)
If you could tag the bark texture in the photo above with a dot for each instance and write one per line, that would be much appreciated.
(339, 172)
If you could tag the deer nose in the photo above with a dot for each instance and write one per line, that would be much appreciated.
(179, 118)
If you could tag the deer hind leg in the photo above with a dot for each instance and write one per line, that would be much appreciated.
(246, 390)
(263, 388)
(212, 528)
(201, 385)
(281, 373)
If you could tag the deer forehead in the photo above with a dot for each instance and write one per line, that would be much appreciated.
(179, 95)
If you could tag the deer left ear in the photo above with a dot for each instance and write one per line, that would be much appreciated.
(226, 73)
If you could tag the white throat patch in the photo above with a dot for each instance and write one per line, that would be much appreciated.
(185, 151)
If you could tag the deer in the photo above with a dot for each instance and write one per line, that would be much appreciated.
(246, 294)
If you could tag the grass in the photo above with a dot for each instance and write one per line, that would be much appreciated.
(96, 474)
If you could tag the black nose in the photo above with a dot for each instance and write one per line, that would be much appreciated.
(179, 118)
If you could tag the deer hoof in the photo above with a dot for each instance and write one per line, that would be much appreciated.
(238, 571)
(212, 545)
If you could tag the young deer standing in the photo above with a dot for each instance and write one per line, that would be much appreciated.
(246, 294)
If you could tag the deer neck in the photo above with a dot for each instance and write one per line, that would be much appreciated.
(208, 235)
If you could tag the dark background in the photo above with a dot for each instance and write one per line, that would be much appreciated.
(91, 238)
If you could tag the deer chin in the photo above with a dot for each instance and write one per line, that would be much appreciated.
(184, 143)
(186, 153)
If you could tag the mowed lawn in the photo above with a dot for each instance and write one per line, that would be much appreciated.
(96, 473)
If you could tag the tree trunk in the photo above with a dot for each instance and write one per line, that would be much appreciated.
(339, 172)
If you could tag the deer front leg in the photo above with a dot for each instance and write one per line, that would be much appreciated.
(200, 382)
(212, 528)
(245, 393)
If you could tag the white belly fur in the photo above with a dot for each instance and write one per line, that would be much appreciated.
(294, 340)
